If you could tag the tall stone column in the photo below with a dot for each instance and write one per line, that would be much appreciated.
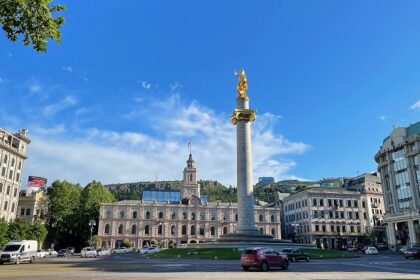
(412, 231)
(246, 217)
(392, 241)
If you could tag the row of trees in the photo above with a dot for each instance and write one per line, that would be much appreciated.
(20, 229)
(70, 209)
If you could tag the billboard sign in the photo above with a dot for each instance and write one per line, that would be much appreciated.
(37, 182)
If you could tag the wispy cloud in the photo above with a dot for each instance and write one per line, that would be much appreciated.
(84, 76)
(175, 86)
(145, 85)
(9, 54)
(416, 105)
(67, 68)
(52, 109)
(383, 117)
(84, 154)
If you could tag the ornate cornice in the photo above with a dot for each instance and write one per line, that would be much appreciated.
(243, 115)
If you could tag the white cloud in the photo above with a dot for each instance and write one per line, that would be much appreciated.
(1, 80)
(67, 68)
(128, 156)
(416, 105)
(9, 54)
(52, 109)
(383, 118)
(145, 85)
(175, 86)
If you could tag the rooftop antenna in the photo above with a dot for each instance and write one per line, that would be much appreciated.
(189, 145)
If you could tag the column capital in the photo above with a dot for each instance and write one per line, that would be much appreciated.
(248, 115)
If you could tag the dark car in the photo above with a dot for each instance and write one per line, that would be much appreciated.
(64, 253)
(412, 252)
(295, 255)
(263, 259)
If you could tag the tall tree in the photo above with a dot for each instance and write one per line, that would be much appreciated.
(18, 230)
(33, 20)
(3, 232)
(38, 232)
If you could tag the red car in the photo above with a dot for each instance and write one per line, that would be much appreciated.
(263, 259)
(412, 252)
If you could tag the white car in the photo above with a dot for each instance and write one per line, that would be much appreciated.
(52, 253)
(88, 252)
(41, 254)
(371, 251)
(121, 250)
(103, 252)
(148, 250)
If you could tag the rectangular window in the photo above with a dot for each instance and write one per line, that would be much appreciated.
(13, 162)
(316, 227)
(321, 202)
(17, 177)
(5, 159)
(15, 192)
(341, 203)
(314, 202)
(13, 208)
(10, 174)
(28, 211)
(348, 203)
(3, 171)
(20, 165)
(22, 211)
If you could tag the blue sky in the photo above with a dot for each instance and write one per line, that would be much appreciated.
(133, 81)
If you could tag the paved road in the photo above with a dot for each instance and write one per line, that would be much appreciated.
(131, 266)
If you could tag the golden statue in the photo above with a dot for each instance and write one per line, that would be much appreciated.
(242, 85)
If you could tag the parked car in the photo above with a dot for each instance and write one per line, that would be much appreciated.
(148, 250)
(88, 252)
(103, 252)
(295, 255)
(412, 252)
(71, 250)
(17, 251)
(63, 253)
(371, 251)
(121, 250)
(263, 259)
(51, 252)
(41, 254)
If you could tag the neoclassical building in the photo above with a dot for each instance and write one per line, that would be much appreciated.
(177, 217)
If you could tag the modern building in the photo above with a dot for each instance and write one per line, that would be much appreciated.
(12, 157)
(328, 217)
(398, 164)
(176, 217)
(33, 207)
(266, 180)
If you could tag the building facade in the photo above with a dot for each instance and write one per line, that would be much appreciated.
(12, 157)
(369, 185)
(398, 164)
(33, 207)
(181, 219)
(328, 217)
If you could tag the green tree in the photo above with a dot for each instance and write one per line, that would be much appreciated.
(96, 241)
(33, 20)
(91, 198)
(3, 232)
(19, 230)
(38, 232)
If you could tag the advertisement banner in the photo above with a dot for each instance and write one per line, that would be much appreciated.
(34, 181)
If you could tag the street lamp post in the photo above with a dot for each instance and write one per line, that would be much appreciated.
(92, 223)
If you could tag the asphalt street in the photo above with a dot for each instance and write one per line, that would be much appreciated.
(132, 266)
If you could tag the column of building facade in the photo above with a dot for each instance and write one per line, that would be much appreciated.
(411, 231)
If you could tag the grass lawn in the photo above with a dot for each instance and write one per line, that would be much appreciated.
(234, 254)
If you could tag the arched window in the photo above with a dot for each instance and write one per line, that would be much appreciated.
(134, 229)
(107, 229)
(225, 231)
(122, 214)
(184, 215)
(172, 230)
(212, 231)
(120, 229)
(134, 214)
(202, 216)
(212, 216)
(201, 230)
(273, 231)
(173, 216)
(184, 229)
(160, 229)
(108, 214)
(273, 219)
(147, 215)
(192, 230)
(260, 218)
(261, 230)
(193, 216)
(160, 215)
(236, 217)
(146, 230)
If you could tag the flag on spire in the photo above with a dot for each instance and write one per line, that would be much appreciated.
(189, 145)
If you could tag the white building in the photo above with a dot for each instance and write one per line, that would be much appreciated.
(12, 157)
